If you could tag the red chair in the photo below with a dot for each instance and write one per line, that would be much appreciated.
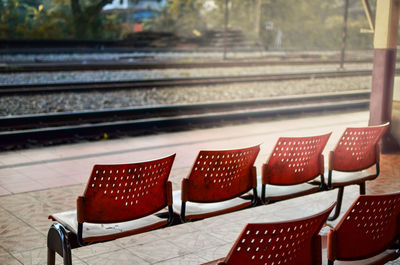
(367, 232)
(293, 163)
(119, 200)
(289, 242)
(356, 152)
(216, 182)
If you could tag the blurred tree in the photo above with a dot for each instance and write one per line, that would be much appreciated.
(181, 17)
(11, 15)
(47, 19)
(87, 18)
(52, 22)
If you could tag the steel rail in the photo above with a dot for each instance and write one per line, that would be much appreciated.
(99, 65)
(159, 83)
(181, 119)
(20, 122)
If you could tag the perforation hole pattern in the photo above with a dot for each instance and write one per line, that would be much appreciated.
(356, 147)
(134, 188)
(276, 243)
(371, 222)
(220, 174)
(295, 160)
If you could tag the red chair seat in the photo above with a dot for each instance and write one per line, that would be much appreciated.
(93, 232)
(278, 192)
(197, 210)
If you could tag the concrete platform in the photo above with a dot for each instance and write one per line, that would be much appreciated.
(37, 182)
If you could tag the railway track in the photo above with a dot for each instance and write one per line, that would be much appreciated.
(127, 64)
(159, 83)
(47, 129)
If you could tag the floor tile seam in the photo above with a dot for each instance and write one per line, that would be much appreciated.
(42, 189)
(93, 255)
(75, 256)
(28, 250)
(31, 190)
(185, 251)
(169, 259)
(190, 250)
(201, 259)
(16, 258)
(6, 252)
(198, 255)
(44, 166)
(154, 147)
(22, 182)
(23, 221)
(144, 259)
(11, 193)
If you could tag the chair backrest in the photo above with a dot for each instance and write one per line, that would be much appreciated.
(222, 175)
(295, 160)
(290, 242)
(117, 193)
(357, 149)
(366, 229)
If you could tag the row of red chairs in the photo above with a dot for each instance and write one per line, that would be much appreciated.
(122, 200)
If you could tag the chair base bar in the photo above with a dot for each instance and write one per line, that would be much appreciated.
(58, 241)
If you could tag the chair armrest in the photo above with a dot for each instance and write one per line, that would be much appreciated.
(169, 193)
(378, 152)
(264, 175)
(184, 193)
(322, 164)
(331, 160)
(80, 209)
(253, 172)
(331, 245)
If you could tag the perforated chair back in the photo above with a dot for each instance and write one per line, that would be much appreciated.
(369, 227)
(118, 193)
(290, 242)
(357, 148)
(295, 160)
(221, 175)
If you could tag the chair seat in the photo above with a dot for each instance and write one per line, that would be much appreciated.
(91, 231)
(195, 210)
(275, 192)
(345, 178)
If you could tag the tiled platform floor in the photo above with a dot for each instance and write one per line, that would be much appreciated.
(37, 182)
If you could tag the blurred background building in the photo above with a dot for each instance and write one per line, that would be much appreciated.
(135, 12)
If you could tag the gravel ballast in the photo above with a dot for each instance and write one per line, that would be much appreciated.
(70, 102)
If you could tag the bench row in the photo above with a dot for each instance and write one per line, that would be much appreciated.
(122, 200)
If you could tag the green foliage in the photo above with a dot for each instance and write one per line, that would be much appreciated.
(10, 17)
(180, 17)
(58, 19)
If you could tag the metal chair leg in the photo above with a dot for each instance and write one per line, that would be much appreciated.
(51, 257)
(362, 188)
(183, 212)
(254, 201)
(338, 205)
(57, 241)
